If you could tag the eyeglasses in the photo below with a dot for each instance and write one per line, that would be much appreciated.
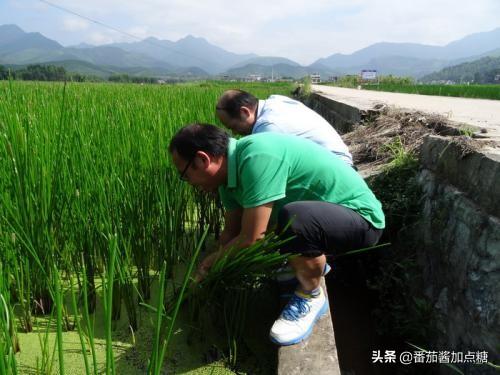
(182, 175)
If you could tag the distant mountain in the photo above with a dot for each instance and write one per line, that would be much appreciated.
(10, 33)
(377, 51)
(104, 55)
(266, 61)
(418, 59)
(395, 65)
(188, 51)
(277, 71)
(89, 69)
(493, 53)
(82, 45)
(474, 44)
(14, 39)
(21, 48)
(85, 68)
(197, 57)
(480, 71)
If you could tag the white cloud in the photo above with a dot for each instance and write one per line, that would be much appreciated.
(75, 24)
(139, 31)
(98, 38)
(303, 30)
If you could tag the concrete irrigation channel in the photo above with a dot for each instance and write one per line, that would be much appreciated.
(457, 233)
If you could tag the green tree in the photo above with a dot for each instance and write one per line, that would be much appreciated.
(39, 72)
(4, 73)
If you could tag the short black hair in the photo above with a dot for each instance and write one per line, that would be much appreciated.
(199, 137)
(232, 100)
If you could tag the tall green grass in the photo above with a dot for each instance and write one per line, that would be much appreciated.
(88, 200)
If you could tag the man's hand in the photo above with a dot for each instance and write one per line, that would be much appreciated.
(252, 227)
(205, 265)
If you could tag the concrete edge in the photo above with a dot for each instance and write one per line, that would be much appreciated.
(316, 355)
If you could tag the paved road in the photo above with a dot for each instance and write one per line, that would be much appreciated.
(477, 112)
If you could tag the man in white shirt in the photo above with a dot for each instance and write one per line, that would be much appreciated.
(244, 114)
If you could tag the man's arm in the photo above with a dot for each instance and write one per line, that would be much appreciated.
(252, 227)
(254, 223)
(232, 226)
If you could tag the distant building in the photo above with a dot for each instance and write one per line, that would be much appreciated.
(368, 75)
(444, 82)
(497, 78)
(315, 78)
(253, 78)
(332, 79)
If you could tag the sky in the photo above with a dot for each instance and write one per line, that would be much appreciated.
(301, 30)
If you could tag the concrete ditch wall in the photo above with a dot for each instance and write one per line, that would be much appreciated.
(460, 254)
(460, 237)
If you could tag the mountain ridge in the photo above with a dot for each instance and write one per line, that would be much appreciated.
(197, 54)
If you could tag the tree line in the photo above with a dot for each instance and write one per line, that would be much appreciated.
(485, 70)
(39, 72)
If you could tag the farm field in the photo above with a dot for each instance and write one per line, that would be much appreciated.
(464, 91)
(99, 237)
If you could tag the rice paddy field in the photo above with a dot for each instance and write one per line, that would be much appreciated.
(464, 91)
(99, 237)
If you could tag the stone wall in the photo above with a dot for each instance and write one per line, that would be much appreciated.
(460, 247)
(458, 236)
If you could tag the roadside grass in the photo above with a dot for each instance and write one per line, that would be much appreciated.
(463, 91)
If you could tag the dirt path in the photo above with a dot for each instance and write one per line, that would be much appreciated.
(476, 112)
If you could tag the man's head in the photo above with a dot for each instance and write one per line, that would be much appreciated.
(237, 110)
(199, 154)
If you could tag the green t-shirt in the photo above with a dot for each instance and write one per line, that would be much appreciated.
(279, 168)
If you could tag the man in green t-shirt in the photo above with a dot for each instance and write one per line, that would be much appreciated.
(270, 179)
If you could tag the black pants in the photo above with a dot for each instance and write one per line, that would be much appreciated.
(324, 228)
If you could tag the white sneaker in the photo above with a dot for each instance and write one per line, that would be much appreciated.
(297, 319)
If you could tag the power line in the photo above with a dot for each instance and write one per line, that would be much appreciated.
(120, 31)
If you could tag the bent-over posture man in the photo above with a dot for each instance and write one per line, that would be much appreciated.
(244, 114)
(271, 178)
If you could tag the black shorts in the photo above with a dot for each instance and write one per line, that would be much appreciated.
(319, 227)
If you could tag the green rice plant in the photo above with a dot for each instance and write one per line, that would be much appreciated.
(89, 323)
(160, 345)
(465, 91)
(155, 361)
(230, 281)
(80, 330)
(35, 203)
(238, 266)
(210, 213)
(108, 282)
(235, 305)
(87, 190)
(45, 364)
(58, 305)
(8, 340)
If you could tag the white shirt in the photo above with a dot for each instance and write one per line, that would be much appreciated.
(280, 114)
